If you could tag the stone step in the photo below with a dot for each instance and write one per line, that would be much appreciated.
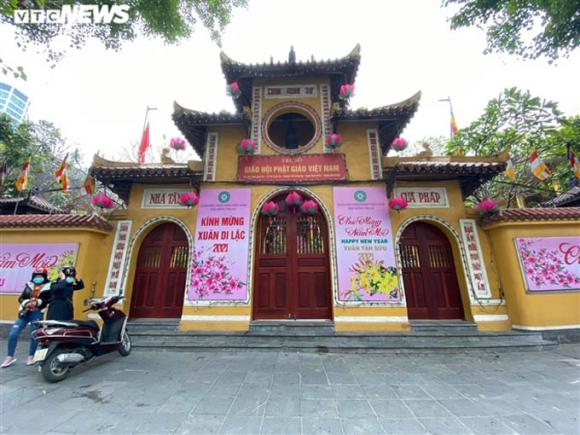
(443, 327)
(153, 325)
(341, 342)
(288, 328)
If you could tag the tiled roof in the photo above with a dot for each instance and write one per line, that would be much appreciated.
(571, 197)
(444, 165)
(339, 71)
(346, 66)
(534, 214)
(54, 221)
(402, 108)
(34, 202)
(109, 170)
(471, 172)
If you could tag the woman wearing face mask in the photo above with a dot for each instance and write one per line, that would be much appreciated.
(33, 300)
(61, 294)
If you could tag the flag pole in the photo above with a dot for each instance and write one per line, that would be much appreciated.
(147, 110)
(448, 100)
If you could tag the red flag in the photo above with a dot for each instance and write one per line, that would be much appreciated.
(144, 145)
(22, 181)
(60, 171)
(89, 185)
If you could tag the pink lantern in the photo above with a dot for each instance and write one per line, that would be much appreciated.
(309, 207)
(177, 144)
(333, 140)
(247, 147)
(233, 90)
(270, 209)
(399, 144)
(488, 206)
(102, 201)
(398, 203)
(188, 199)
(346, 91)
(294, 199)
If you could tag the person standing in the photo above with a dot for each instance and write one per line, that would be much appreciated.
(61, 294)
(33, 300)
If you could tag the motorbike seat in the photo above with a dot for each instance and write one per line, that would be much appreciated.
(87, 323)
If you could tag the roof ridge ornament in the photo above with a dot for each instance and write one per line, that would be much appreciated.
(292, 55)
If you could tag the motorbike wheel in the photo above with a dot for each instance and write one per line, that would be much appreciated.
(52, 370)
(126, 346)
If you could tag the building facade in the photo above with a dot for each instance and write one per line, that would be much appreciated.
(13, 102)
(303, 231)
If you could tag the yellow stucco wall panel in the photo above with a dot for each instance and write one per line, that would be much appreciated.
(533, 310)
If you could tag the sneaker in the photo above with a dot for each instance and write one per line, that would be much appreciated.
(30, 361)
(8, 361)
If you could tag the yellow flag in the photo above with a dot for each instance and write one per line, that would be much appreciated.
(22, 181)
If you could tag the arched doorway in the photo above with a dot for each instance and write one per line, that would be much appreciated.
(159, 285)
(292, 272)
(431, 287)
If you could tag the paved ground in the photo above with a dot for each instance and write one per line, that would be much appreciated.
(300, 393)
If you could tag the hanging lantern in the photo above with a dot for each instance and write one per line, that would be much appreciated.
(398, 203)
(346, 91)
(188, 199)
(270, 208)
(488, 206)
(294, 199)
(399, 144)
(233, 90)
(247, 147)
(177, 144)
(101, 200)
(309, 207)
(333, 140)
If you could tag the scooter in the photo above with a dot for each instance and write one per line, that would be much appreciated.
(63, 345)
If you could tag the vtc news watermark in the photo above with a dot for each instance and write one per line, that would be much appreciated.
(81, 14)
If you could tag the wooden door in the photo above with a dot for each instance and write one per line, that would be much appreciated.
(159, 285)
(292, 277)
(431, 287)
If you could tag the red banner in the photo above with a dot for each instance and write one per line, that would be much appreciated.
(302, 168)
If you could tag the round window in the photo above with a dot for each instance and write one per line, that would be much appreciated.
(291, 128)
(291, 131)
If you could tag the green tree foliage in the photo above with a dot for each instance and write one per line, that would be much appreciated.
(527, 28)
(518, 123)
(172, 20)
(43, 142)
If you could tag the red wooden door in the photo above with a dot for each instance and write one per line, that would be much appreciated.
(292, 279)
(431, 287)
(160, 277)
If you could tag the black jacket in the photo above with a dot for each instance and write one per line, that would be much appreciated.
(61, 306)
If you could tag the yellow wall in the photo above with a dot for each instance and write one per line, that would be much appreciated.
(355, 146)
(525, 309)
(92, 261)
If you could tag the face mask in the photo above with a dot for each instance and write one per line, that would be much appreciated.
(38, 280)
(69, 279)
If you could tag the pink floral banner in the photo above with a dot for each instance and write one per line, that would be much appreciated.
(18, 261)
(364, 246)
(550, 263)
(219, 269)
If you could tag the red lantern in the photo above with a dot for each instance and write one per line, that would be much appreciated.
(188, 199)
(488, 206)
(294, 199)
(399, 144)
(270, 209)
(398, 203)
(101, 200)
(309, 207)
